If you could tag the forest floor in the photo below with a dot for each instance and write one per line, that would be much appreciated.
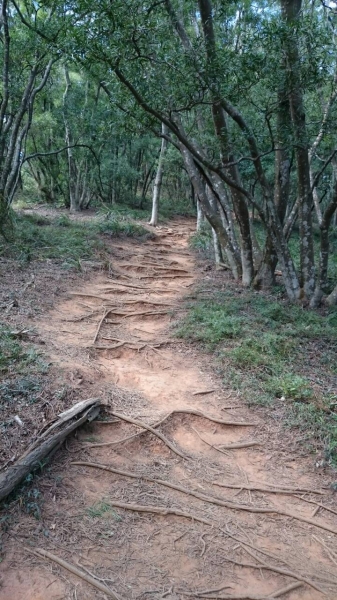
(184, 515)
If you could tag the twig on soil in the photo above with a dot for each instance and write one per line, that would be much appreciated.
(208, 444)
(40, 553)
(152, 430)
(203, 545)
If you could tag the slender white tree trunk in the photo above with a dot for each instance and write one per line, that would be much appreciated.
(200, 216)
(159, 179)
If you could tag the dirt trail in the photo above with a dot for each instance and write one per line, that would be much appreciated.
(113, 337)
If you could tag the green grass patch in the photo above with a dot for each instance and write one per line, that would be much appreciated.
(37, 237)
(101, 509)
(272, 352)
(14, 357)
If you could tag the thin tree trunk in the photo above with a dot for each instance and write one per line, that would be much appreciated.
(72, 171)
(159, 178)
(200, 216)
(216, 243)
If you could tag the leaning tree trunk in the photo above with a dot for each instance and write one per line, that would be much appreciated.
(265, 277)
(221, 129)
(212, 217)
(159, 178)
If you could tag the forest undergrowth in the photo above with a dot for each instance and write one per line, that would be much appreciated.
(277, 355)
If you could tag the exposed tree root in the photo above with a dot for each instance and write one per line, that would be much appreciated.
(224, 447)
(238, 445)
(164, 276)
(105, 313)
(128, 285)
(261, 488)
(168, 511)
(151, 429)
(214, 594)
(188, 411)
(208, 444)
(156, 267)
(40, 553)
(153, 302)
(212, 499)
(199, 413)
(318, 505)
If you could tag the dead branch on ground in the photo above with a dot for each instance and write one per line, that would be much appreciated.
(46, 444)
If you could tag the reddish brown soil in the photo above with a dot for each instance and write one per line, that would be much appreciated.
(142, 554)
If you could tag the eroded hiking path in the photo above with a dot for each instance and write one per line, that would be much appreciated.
(180, 515)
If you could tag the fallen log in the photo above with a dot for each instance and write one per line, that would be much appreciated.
(47, 443)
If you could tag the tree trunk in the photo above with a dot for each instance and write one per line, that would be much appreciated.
(158, 179)
(291, 10)
(72, 170)
(200, 216)
(265, 277)
(216, 243)
(221, 129)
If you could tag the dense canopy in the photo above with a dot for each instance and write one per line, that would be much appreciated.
(242, 94)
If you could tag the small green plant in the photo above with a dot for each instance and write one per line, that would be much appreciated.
(13, 355)
(101, 508)
(290, 387)
(63, 221)
(121, 227)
